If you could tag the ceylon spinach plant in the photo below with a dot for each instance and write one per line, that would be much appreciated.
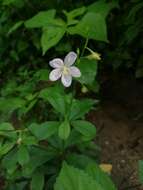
(45, 140)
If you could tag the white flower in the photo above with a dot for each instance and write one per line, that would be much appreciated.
(64, 69)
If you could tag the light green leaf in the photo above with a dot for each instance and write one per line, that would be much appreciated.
(64, 130)
(91, 26)
(7, 130)
(41, 19)
(10, 104)
(79, 108)
(71, 178)
(37, 182)
(23, 155)
(15, 27)
(5, 126)
(51, 36)
(141, 171)
(88, 70)
(101, 177)
(6, 147)
(102, 7)
(86, 128)
(73, 14)
(76, 12)
(44, 130)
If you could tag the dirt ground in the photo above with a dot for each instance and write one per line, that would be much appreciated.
(119, 121)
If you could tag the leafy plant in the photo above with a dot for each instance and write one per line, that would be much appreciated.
(45, 139)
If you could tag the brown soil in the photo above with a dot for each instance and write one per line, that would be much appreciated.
(119, 121)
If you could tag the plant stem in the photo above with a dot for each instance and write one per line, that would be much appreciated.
(85, 45)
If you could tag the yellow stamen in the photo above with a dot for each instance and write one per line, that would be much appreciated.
(65, 70)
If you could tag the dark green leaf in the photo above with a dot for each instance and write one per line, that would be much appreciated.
(37, 182)
(23, 155)
(86, 128)
(44, 130)
(88, 70)
(9, 161)
(56, 98)
(80, 107)
(15, 27)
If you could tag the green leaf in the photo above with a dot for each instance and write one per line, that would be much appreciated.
(71, 178)
(15, 27)
(37, 182)
(64, 130)
(56, 98)
(141, 171)
(38, 157)
(42, 74)
(88, 70)
(6, 147)
(86, 128)
(10, 104)
(23, 155)
(91, 26)
(41, 19)
(7, 130)
(76, 12)
(5, 126)
(102, 7)
(9, 161)
(51, 36)
(44, 130)
(101, 177)
(73, 14)
(79, 108)
(79, 160)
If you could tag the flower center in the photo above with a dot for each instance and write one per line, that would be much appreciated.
(65, 70)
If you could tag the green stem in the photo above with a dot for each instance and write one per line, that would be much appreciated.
(85, 45)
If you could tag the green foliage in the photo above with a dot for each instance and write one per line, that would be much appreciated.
(101, 177)
(64, 130)
(51, 36)
(141, 171)
(85, 128)
(92, 26)
(41, 123)
(23, 155)
(44, 130)
(71, 178)
(37, 182)
(42, 19)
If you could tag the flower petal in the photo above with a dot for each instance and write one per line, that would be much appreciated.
(75, 72)
(70, 58)
(55, 74)
(56, 63)
(66, 80)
